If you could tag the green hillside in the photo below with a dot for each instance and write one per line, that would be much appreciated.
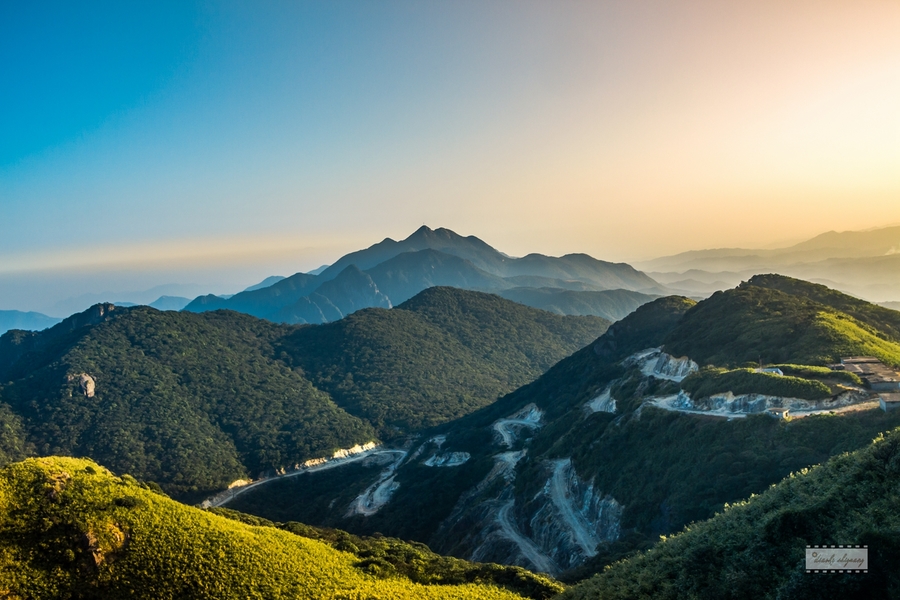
(194, 401)
(666, 469)
(191, 401)
(755, 549)
(751, 323)
(434, 358)
(879, 317)
(71, 529)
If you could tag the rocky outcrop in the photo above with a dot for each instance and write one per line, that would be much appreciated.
(447, 459)
(653, 362)
(86, 384)
(556, 530)
(568, 518)
(507, 429)
(603, 402)
(484, 527)
(728, 403)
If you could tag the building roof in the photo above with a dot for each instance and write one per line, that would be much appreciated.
(870, 368)
(890, 397)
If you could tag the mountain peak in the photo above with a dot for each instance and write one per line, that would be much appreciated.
(423, 230)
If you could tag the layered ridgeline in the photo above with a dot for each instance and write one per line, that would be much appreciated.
(659, 423)
(16, 319)
(71, 529)
(390, 272)
(756, 549)
(865, 263)
(196, 401)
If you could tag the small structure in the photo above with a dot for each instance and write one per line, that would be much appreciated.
(772, 370)
(889, 401)
(878, 376)
(777, 412)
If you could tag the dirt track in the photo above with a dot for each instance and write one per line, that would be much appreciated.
(527, 547)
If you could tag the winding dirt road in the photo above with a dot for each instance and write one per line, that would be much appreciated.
(573, 518)
(224, 498)
(528, 548)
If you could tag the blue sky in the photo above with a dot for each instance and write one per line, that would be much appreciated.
(220, 142)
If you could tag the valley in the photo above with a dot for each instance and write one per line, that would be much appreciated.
(606, 450)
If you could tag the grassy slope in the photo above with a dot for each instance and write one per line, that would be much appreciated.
(751, 323)
(711, 380)
(438, 356)
(755, 549)
(68, 528)
(879, 317)
(390, 557)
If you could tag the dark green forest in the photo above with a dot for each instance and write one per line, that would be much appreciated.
(195, 401)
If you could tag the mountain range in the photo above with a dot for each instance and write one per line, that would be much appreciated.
(659, 425)
(390, 272)
(863, 263)
(16, 319)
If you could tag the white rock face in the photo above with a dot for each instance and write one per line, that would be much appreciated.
(727, 404)
(447, 459)
(379, 493)
(653, 362)
(572, 517)
(603, 402)
(86, 384)
(507, 429)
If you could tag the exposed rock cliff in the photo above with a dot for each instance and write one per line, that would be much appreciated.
(656, 363)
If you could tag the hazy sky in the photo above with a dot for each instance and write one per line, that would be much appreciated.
(220, 142)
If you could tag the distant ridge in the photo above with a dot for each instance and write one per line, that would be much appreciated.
(16, 319)
(862, 263)
(390, 272)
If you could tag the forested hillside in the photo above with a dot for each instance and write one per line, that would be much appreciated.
(436, 357)
(195, 401)
(590, 438)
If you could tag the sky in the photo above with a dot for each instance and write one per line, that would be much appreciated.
(211, 144)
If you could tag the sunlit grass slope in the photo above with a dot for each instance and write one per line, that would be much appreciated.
(70, 529)
(750, 323)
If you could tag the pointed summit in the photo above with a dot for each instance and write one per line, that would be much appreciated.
(422, 232)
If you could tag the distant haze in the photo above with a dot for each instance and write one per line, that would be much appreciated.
(212, 145)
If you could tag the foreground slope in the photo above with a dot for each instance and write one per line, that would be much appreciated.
(756, 548)
(196, 401)
(71, 529)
